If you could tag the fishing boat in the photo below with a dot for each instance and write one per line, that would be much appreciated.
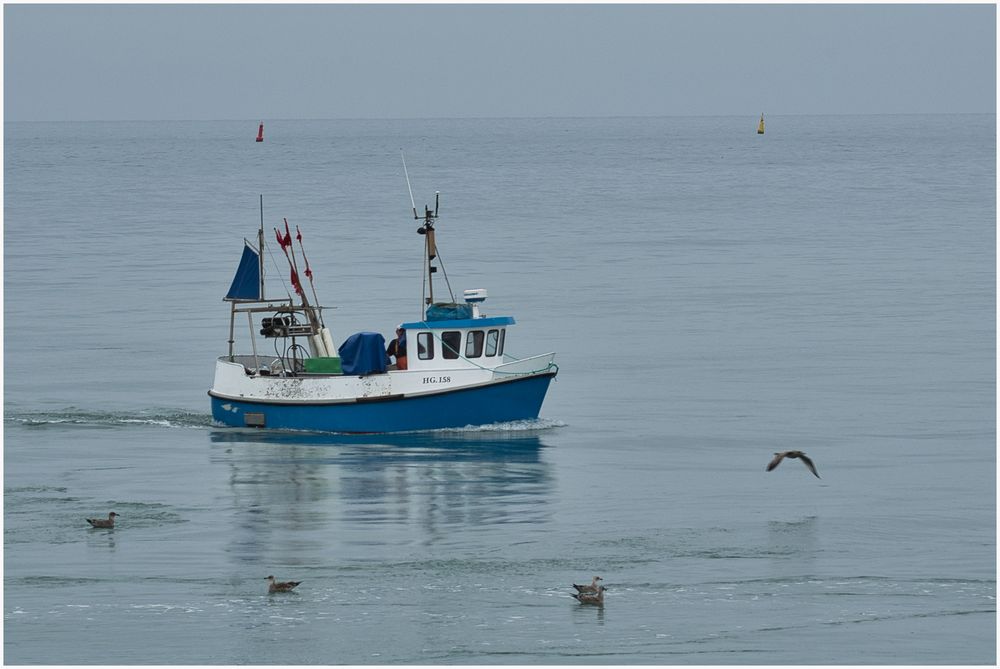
(760, 126)
(452, 369)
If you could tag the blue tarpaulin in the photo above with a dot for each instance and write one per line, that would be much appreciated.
(363, 353)
(246, 283)
(448, 311)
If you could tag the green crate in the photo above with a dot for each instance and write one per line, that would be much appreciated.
(323, 366)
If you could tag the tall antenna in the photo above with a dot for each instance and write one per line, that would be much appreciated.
(405, 173)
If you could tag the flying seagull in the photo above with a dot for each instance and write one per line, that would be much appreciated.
(280, 586)
(591, 598)
(100, 522)
(778, 457)
(590, 589)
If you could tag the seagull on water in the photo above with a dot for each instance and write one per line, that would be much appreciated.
(778, 457)
(591, 598)
(280, 586)
(100, 522)
(590, 589)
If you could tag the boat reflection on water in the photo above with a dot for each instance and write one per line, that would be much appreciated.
(481, 445)
(423, 484)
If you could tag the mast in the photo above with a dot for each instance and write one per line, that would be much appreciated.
(260, 246)
(427, 229)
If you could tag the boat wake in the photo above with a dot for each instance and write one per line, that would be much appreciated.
(494, 429)
(169, 418)
(175, 418)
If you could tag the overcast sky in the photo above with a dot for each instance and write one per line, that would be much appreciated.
(86, 62)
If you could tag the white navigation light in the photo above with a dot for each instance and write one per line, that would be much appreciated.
(475, 296)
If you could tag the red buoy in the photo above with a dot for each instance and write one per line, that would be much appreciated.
(260, 132)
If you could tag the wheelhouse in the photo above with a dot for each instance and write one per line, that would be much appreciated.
(473, 342)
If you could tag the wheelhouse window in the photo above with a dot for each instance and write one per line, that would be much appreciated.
(500, 345)
(492, 338)
(451, 343)
(474, 344)
(425, 346)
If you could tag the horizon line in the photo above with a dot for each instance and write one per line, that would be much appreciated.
(485, 118)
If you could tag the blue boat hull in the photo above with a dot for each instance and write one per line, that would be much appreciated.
(516, 399)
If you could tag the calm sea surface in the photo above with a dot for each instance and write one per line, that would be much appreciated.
(713, 296)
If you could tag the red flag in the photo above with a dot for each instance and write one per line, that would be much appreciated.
(295, 283)
(283, 241)
(298, 236)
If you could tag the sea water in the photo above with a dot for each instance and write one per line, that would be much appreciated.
(713, 296)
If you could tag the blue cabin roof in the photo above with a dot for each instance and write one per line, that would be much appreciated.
(488, 322)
